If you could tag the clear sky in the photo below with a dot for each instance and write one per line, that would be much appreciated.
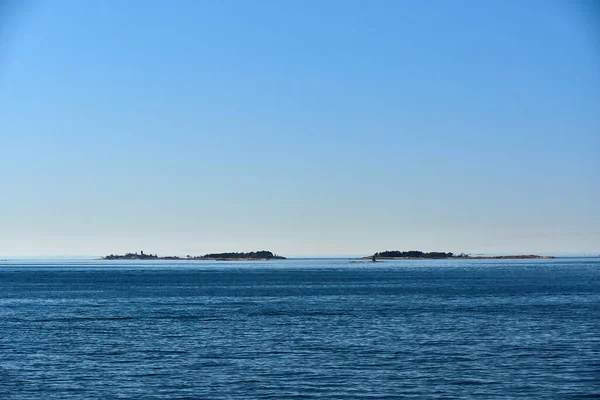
(303, 127)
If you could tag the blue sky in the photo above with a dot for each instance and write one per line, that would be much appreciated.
(304, 127)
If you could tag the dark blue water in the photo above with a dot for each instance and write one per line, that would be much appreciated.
(300, 329)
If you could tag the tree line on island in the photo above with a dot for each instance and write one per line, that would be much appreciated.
(253, 255)
(262, 255)
(267, 255)
(416, 254)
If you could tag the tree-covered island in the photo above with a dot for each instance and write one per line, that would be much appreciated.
(416, 255)
(412, 254)
(262, 255)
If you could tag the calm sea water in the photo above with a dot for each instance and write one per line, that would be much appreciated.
(300, 329)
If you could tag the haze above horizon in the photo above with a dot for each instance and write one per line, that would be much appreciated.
(305, 128)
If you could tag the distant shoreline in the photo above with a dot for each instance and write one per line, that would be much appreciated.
(516, 257)
(265, 255)
(262, 255)
(419, 255)
(186, 259)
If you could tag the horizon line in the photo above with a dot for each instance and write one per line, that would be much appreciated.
(307, 256)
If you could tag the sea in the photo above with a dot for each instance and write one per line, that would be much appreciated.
(300, 329)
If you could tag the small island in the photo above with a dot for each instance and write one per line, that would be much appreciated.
(262, 255)
(396, 254)
(515, 257)
(418, 255)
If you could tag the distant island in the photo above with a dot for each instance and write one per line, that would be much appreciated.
(415, 255)
(262, 255)
(265, 255)
(515, 257)
(411, 254)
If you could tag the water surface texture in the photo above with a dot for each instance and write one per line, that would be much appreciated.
(296, 329)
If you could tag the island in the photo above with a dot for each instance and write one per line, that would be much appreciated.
(515, 257)
(262, 255)
(396, 254)
(255, 255)
(418, 255)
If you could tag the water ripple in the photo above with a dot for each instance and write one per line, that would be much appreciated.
(300, 330)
